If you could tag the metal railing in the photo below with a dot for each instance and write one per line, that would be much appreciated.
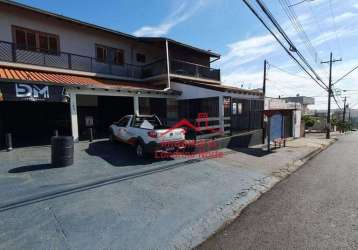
(10, 52)
(180, 67)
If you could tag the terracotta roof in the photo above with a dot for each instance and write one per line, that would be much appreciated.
(14, 74)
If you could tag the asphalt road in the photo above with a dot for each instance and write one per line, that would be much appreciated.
(315, 208)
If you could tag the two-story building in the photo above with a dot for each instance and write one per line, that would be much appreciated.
(58, 73)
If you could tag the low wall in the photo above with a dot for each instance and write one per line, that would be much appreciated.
(242, 140)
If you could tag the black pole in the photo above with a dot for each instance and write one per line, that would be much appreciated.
(344, 110)
(264, 130)
(55, 132)
(328, 133)
(331, 61)
(90, 134)
(268, 129)
(8, 141)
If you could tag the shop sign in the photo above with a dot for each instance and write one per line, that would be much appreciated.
(32, 92)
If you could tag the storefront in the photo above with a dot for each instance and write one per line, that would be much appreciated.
(32, 112)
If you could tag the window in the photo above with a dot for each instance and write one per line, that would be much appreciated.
(141, 58)
(35, 40)
(234, 108)
(101, 53)
(123, 122)
(20, 38)
(239, 108)
(119, 57)
(109, 55)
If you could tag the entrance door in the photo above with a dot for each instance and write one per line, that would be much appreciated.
(33, 123)
(276, 126)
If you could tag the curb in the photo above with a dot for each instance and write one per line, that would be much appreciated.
(236, 207)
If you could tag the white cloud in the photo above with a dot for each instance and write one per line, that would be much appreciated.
(345, 16)
(185, 11)
(248, 50)
(355, 6)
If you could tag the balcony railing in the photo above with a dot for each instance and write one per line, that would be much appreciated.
(193, 70)
(9, 52)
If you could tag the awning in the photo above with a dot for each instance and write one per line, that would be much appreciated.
(8, 74)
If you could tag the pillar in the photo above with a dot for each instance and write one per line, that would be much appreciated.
(136, 105)
(74, 120)
(221, 114)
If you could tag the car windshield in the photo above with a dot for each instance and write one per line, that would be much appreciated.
(150, 122)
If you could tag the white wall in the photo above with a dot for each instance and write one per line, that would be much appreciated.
(296, 123)
(73, 38)
(193, 92)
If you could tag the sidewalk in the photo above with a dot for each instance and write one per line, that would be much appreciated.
(174, 208)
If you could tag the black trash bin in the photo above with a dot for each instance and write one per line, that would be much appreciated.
(62, 149)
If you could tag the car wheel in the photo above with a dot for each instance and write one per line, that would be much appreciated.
(139, 150)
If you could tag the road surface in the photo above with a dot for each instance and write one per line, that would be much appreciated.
(315, 208)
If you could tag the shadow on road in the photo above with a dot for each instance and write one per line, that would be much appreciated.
(30, 168)
(117, 154)
(257, 152)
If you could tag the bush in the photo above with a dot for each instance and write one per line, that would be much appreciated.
(309, 121)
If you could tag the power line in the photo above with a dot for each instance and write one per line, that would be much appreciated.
(290, 12)
(287, 72)
(349, 72)
(292, 46)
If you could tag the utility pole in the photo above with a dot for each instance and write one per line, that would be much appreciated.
(264, 94)
(344, 109)
(265, 78)
(331, 61)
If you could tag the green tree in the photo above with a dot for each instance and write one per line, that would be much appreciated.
(309, 121)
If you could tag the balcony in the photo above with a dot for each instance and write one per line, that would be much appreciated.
(9, 52)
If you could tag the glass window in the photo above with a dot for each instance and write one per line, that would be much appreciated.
(31, 41)
(123, 122)
(35, 40)
(43, 42)
(53, 44)
(101, 54)
(119, 57)
(239, 108)
(234, 108)
(141, 58)
(20, 39)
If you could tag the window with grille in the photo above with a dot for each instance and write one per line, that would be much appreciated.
(141, 58)
(27, 39)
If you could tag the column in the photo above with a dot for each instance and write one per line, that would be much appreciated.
(221, 114)
(74, 120)
(136, 105)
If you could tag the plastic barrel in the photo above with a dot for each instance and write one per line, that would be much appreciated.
(62, 150)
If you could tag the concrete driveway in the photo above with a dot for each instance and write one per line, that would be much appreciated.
(27, 173)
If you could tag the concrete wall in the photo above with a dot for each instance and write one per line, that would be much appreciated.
(74, 38)
(193, 92)
(296, 121)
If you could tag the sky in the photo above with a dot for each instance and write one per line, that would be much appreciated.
(230, 29)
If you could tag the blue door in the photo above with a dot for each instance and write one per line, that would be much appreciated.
(276, 126)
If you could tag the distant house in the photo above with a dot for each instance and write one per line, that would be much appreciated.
(303, 100)
(283, 118)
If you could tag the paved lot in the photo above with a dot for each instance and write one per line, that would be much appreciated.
(315, 208)
(26, 171)
(173, 208)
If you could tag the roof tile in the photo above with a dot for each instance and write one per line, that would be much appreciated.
(67, 79)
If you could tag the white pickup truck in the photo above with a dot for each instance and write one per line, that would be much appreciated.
(147, 134)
